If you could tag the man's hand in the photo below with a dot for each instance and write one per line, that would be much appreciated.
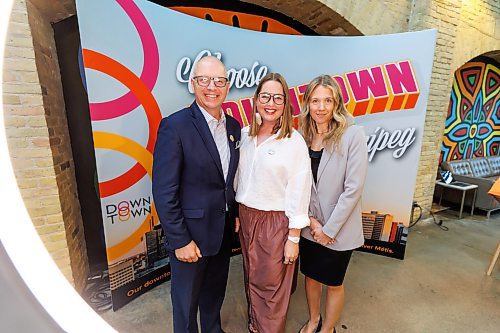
(237, 225)
(188, 253)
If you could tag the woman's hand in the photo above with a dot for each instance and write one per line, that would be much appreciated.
(319, 236)
(236, 225)
(314, 223)
(291, 252)
(322, 238)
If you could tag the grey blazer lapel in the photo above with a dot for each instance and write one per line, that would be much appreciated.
(327, 155)
(315, 206)
(325, 158)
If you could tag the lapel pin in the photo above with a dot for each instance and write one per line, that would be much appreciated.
(231, 137)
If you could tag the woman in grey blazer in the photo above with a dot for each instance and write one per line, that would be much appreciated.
(339, 161)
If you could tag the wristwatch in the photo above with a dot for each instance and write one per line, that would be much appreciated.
(295, 240)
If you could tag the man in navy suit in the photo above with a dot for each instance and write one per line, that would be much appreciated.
(195, 160)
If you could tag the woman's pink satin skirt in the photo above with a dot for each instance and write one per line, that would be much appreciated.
(268, 282)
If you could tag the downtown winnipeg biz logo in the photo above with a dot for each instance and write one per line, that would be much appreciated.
(124, 210)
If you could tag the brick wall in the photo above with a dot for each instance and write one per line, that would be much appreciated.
(442, 15)
(478, 30)
(38, 139)
(373, 17)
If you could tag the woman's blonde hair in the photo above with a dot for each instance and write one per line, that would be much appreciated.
(285, 123)
(339, 122)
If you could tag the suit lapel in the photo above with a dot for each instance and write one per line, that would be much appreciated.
(325, 158)
(201, 125)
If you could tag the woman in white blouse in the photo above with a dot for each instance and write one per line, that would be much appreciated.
(339, 161)
(273, 188)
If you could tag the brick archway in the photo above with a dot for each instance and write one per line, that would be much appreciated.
(314, 14)
(340, 18)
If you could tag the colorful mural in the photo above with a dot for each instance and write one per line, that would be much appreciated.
(472, 127)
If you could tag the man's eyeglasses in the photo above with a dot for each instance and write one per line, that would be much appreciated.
(278, 99)
(204, 81)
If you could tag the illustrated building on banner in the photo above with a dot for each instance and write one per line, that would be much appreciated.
(121, 273)
(155, 255)
(379, 226)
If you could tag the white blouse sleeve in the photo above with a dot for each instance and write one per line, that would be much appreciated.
(298, 188)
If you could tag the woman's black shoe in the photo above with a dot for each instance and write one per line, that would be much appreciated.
(320, 323)
(318, 328)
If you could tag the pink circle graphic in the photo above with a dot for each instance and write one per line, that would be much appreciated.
(128, 102)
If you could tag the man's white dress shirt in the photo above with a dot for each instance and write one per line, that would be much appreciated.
(219, 133)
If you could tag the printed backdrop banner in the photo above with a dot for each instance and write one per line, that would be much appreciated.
(138, 59)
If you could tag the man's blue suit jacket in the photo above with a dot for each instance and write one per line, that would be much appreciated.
(189, 190)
